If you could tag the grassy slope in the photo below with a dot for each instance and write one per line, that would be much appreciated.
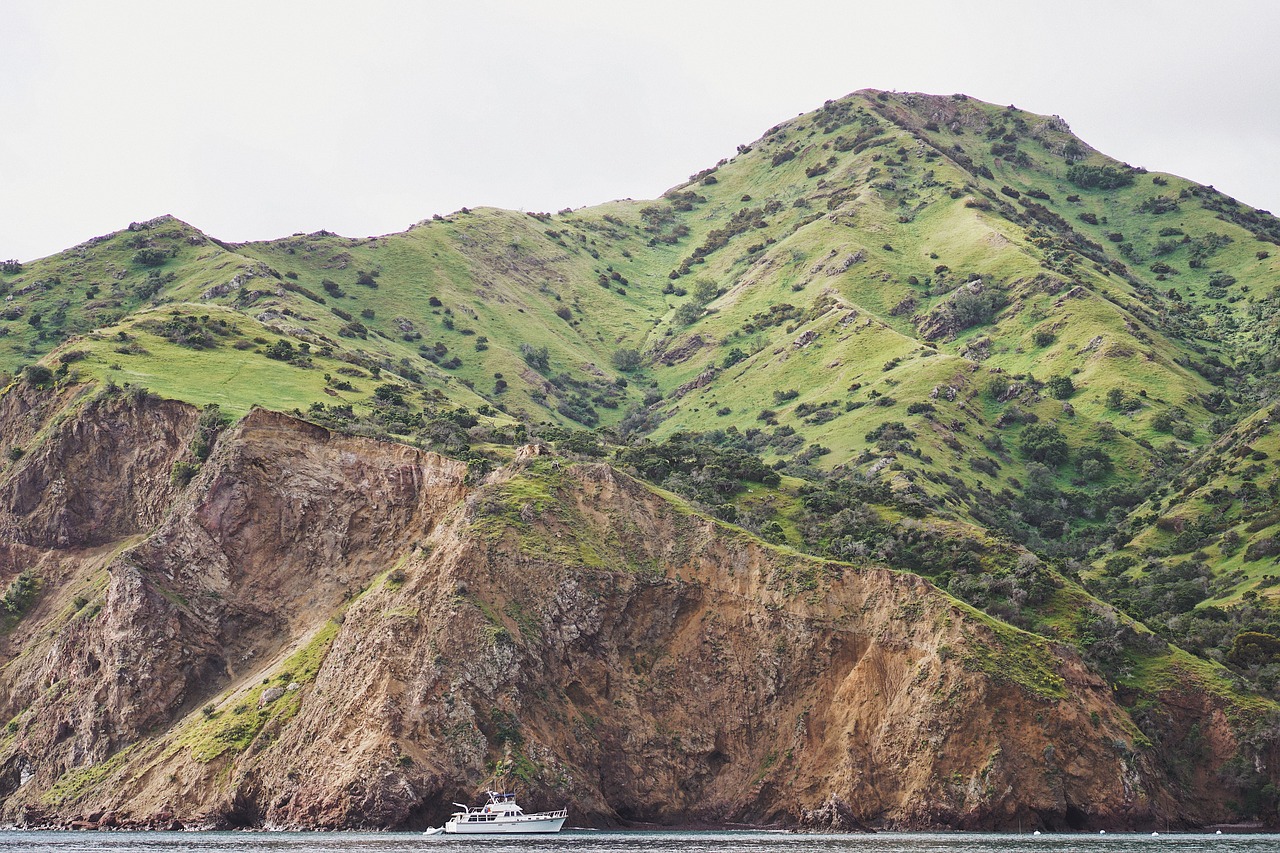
(865, 239)
(866, 244)
(1224, 494)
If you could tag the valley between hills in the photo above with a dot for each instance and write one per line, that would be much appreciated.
(912, 468)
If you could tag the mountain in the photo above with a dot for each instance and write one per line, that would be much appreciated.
(913, 467)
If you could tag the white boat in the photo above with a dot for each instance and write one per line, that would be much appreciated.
(501, 816)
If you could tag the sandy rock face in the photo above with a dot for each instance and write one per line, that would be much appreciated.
(324, 631)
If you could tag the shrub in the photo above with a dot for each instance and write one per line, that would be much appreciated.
(353, 329)
(1118, 400)
(207, 428)
(1044, 443)
(1042, 337)
(1099, 177)
(38, 376)
(389, 394)
(626, 359)
(1268, 546)
(889, 433)
(150, 257)
(332, 288)
(1061, 387)
(1157, 204)
(281, 350)
(1094, 463)
(1254, 648)
(687, 314)
(536, 357)
(20, 593)
(1164, 421)
(182, 473)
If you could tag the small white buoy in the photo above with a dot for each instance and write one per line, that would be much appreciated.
(1102, 832)
(1037, 832)
(1219, 832)
(1154, 834)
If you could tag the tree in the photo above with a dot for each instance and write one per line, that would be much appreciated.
(688, 313)
(626, 359)
(1044, 443)
(1061, 387)
(704, 291)
(150, 257)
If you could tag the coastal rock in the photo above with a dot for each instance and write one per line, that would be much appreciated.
(833, 815)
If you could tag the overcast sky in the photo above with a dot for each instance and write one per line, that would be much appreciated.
(258, 119)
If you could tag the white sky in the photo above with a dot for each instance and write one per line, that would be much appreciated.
(253, 120)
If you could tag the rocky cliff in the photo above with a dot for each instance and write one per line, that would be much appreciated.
(328, 631)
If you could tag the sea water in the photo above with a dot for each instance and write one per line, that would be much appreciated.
(587, 841)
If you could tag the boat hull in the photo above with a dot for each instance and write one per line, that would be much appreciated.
(524, 825)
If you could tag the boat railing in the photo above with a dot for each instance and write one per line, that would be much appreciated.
(551, 815)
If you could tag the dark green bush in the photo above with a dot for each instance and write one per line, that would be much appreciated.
(150, 257)
(626, 359)
(536, 357)
(1061, 387)
(1099, 177)
(183, 472)
(38, 376)
(1044, 443)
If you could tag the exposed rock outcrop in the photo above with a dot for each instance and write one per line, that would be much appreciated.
(327, 631)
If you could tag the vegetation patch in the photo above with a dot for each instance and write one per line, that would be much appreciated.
(226, 728)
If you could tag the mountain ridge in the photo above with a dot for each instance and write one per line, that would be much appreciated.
(913, 331)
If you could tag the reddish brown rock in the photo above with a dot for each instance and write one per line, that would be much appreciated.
(621, 655)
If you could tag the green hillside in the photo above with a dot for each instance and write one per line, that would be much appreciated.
(897, 307)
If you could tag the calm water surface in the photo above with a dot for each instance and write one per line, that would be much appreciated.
(582, 841)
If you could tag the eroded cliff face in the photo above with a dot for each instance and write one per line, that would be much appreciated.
(325, 631)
